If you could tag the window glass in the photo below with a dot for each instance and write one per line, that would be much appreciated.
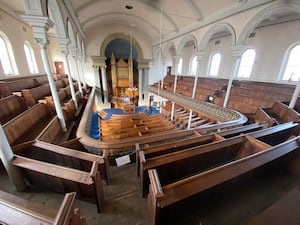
(214, 64)
(292, 68)
(30, 58)
(246, 63)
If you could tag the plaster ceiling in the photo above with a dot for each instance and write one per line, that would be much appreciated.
(151, 17)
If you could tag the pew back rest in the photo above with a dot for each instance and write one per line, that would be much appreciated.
(8, 87)
(10, 107)
(32, 95)
(28, 124)
(52, 132)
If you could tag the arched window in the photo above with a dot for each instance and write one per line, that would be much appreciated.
(246, 63)
(292, 67)
(215, 61)
(5, 56)
(179, 68)
(193, 68)
(30, 58)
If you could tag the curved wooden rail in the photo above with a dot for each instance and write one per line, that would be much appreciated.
(227, 118)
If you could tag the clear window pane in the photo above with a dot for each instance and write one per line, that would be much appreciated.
(179, 68)
(246, 63)
(292, 69)
(215, 64)
(30, 58)
(4, 57)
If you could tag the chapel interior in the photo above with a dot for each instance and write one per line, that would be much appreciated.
(149, 112)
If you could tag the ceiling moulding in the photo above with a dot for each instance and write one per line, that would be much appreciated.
(212, 19)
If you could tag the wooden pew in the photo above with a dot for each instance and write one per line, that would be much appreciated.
(271, 136)
(28, 125)
(62, 179)
(64, 156)
(15, 86)
(53, 135)
(282, 113)
(31, 96)
(15, 210)
(10, 107)
(165, 191)
(180, 144)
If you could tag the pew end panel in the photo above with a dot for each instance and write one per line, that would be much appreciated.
(200, 182)
(62, 179)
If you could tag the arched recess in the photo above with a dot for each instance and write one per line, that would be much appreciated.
(264, 14)
(111, 37)
(187, 39)
(169, 51)
(56, 16)
(220, 28)
(71, 35)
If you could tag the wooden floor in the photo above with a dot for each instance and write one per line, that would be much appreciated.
(234, 204)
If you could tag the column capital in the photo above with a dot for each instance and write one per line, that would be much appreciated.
(200, 55)
(98, 61)
(237, 51)
(143, 63)
(40, 26)
(177, 58)
(63, 45)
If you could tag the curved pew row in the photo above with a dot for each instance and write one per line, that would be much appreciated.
(187, 158)
(15, 210)
(245, 156)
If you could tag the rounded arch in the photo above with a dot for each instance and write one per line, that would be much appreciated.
(217, 28)
(188, 38)
(111, 37)
(56, 16)
(71, 34)
(262, 15)
(169, 45)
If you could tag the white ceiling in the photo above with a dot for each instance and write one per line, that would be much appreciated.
(151, 17)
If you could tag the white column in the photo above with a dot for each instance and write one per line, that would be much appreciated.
(6, 156)
(177, 58)
(295, 95)
(71, 84)
(199, 61)
(63, 44)
(140, 83)
(172, 111)
(96, 75)
(74, 54)
(80, 59)
(57, 104)
(163, 63)
(104, 83)
(146, 83)
(190, 119)
(237, 53)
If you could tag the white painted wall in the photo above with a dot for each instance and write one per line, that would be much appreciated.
(19, 32)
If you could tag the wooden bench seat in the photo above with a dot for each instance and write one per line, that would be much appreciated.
(270, 136)
(27, 125)
(169, 188)
(62, 179)
(180, 144)
(15, 210)
(64, 156)
(10, 107)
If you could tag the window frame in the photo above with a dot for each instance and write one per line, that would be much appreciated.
(211, 61)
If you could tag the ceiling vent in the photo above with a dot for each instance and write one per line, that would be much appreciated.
(217, 42)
